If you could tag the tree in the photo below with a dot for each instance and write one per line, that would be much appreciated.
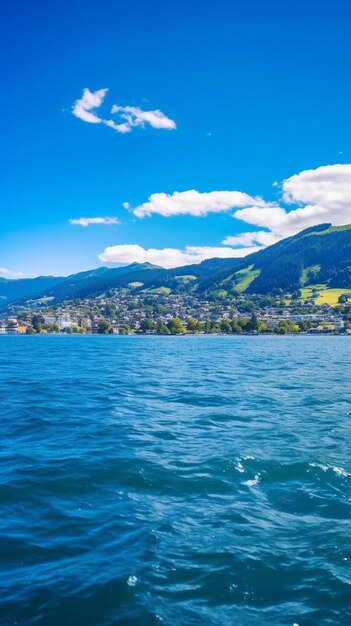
(147, 324)
(125, 330)
(242, 322)
(193, 326)
(160, 308)
(236, 329)
(214, 328)
(110, 310)
(253, 324)
(262, 327)
(225, 327)
(37, 323)
(104, 328)
(175, 326)
(52, 328)
(286, 326)
(247, 306)
(162, 329)
(266, 301)
(207, 327)
(304, 326)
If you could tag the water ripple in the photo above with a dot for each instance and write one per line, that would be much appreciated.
(188, 481)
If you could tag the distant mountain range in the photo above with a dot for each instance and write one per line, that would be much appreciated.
(317, 255)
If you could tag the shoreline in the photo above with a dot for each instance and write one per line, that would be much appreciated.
(303, 334)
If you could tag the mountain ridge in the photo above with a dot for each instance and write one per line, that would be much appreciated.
(321, 253)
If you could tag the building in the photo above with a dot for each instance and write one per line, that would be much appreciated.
(64, 321)
(11, 330)
(49, 318)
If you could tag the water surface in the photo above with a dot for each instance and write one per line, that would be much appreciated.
(177, 481)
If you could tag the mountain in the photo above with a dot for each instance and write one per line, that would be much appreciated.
(95, 282)
(320, 255)
(13, 290)
(80, 285)
(315, 256)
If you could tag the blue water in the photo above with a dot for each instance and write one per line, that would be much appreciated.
(175, 481)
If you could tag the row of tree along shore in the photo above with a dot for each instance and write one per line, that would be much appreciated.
(127, 312)
(175, 326)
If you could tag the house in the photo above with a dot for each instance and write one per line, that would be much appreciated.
(49, 318)
(11, 330)
(64, 321)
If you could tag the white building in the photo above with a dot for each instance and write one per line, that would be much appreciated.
(64, 321)
(49, 318)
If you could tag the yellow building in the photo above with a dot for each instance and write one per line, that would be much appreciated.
(21, 330)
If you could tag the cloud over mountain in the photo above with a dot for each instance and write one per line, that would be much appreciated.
(256, 238)
(322, 195)
(306, 199)
(7, 273)
(169, 257)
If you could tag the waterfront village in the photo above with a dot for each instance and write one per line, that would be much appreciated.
(124, 312)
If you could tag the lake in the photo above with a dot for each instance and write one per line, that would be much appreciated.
(175, 481)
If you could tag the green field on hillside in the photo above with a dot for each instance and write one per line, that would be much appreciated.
(308, 274)
(332, 229)
(245, 277)
(164, 290)
(219, 293)
(187, 278)
(321, 294)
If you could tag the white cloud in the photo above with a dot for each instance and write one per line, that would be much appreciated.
(259, 238)
(268, 217)
(325, 193)
(329, 185)
(134, 116)
(169, 257)
(85, 109)
(320, 195)
(87, 221)
(193, 202)
(6, 273)
(120, 128)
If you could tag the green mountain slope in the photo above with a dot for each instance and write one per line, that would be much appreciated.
(320, 255)
(95, 282)
(316, 255)
(13, 290)
(82, 285)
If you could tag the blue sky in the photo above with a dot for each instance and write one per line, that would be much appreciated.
(259, 93)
